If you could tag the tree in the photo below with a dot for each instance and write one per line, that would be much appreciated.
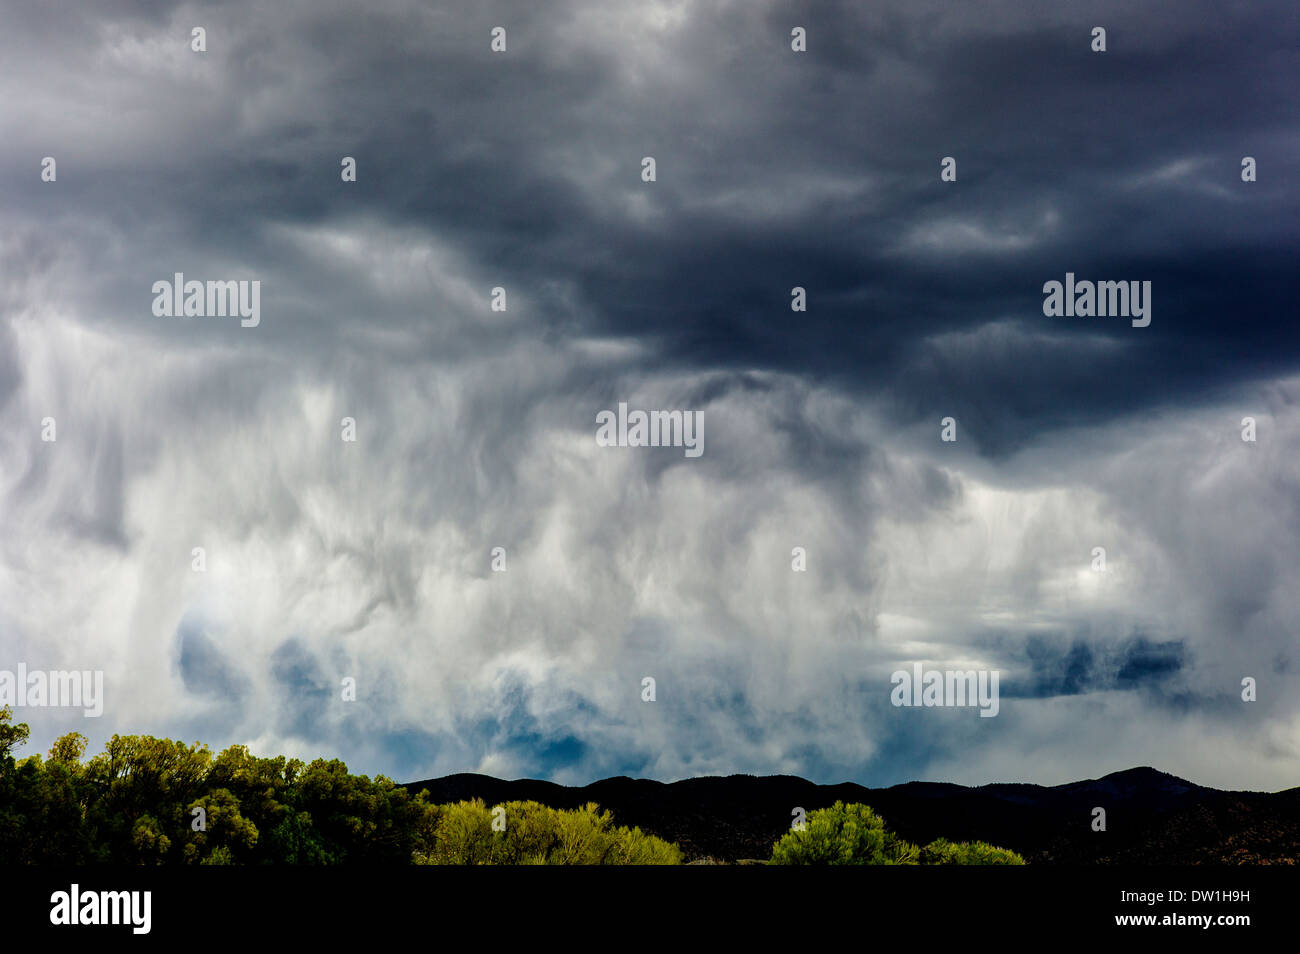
(136, 802)
(843, 835)
(535, 834)
(855, 835)
(68, 749)
(11, 735)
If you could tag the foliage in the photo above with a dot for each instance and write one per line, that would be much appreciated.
(843, 835)
(533, 834)
(855, 835)
(151, 801)
(941, 851)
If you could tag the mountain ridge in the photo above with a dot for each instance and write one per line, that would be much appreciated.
(1152, 817)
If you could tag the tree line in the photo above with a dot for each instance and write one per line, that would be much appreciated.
(151, 801)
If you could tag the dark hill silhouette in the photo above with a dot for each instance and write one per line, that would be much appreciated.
(1151, 817)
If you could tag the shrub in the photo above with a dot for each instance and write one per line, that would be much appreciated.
(941, 851)
(843, 835)
(855, 835)
(462, 834)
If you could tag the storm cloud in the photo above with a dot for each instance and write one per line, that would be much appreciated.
(324, 559)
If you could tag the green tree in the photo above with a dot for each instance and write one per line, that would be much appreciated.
(12, 734)
(68, 749)
(843, 835)
(855, 835)
(134, 803)
(225, 829)
(463, 834)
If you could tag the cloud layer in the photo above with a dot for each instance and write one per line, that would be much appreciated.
(475, 428)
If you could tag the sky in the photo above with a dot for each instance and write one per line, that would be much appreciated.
(327, 559)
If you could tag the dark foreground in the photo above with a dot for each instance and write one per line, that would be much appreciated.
(1151, 818)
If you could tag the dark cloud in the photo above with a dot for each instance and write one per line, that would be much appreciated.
(1096, 666)
(204, 668)
(775, 169)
